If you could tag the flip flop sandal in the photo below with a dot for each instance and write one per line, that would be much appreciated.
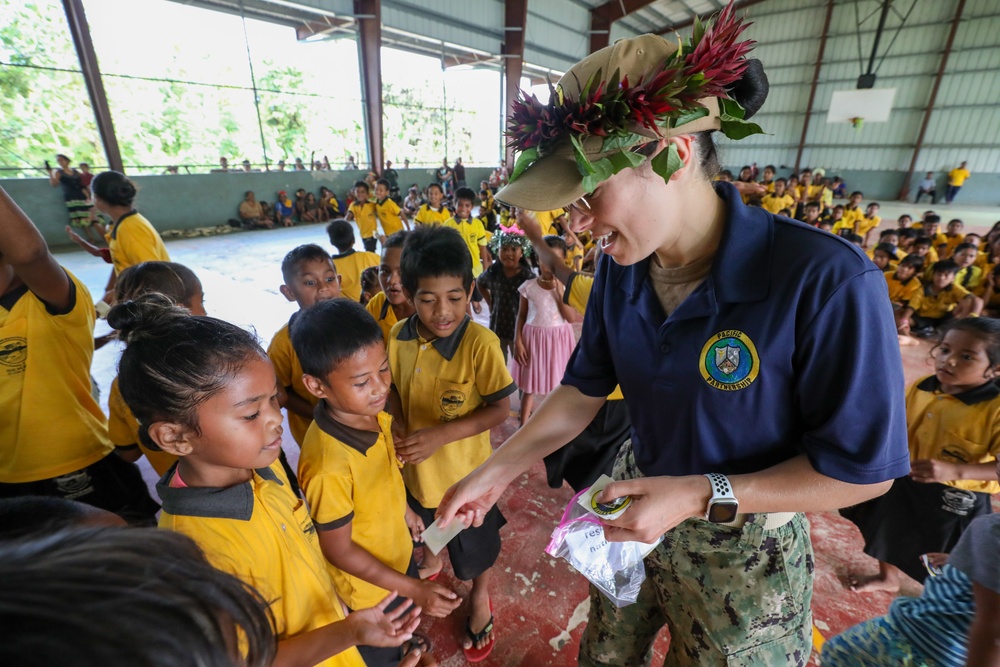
(474, 654)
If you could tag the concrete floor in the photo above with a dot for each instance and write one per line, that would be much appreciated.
(540, 603)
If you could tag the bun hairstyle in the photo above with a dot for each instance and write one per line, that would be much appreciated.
(174, 281)
(751, 92)
(114, 187)
(174, 361)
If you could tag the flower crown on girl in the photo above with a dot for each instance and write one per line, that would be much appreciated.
(510, 236)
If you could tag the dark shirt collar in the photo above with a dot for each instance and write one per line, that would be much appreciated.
(10, 299)
(446, 346)
(118, 222)
(352, 437)
(385, 308)
(343, 254)
(233, 502)
(741, 268)
(985, 392)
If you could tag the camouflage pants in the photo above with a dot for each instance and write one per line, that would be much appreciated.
(730, 596)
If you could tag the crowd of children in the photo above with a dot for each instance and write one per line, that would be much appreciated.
(398, 406)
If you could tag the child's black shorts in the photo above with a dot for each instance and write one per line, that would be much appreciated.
(111, 484)
(474, 550)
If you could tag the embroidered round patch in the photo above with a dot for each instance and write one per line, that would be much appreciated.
(604, 509)
(729, 361)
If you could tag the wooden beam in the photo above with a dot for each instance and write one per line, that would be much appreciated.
(602, 16)
(512, 49)
(370, 59)
(905, 190)
(690, 22)
(815, 83)
(80, 31)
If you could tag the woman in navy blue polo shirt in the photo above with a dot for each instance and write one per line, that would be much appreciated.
(757, 356)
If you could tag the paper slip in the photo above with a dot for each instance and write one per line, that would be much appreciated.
(436, 538)
(611, 510)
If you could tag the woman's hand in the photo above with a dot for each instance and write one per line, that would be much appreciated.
(658, 504)
(470, 499)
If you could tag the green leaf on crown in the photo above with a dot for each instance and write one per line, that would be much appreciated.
(666, 162)
(620, 141)
(733, 124)
(690, 116)
(524, 160)
(607, 167)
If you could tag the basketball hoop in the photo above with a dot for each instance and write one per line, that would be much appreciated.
(857, 122)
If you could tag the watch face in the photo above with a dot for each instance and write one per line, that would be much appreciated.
(723, 512)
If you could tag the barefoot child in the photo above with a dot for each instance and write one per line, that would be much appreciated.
(453, 387)
(350, 472)
(544, 337)
(953, 421)
(203, 390)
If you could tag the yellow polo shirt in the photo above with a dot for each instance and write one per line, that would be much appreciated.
(927, 304)
(261, 532)
(851, 217)
(382, 311)
(352, 477)
(959, 428)
(866, 224)
(572, 252)
(123, 428)
(442, 380)
(133, 240)
(474, 235)
(952, 242)
(289, 372)
(388, 213)
(901, 292)
(364, 215)
(50, 424)
(957, 176)
(969, 277)
(547, 218)
(426, 215)
(773, 204)
(349, 266)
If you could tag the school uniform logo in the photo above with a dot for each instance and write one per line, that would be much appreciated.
(729, 361)
(13, 354)
(451, 404)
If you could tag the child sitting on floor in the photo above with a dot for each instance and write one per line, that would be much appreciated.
(939, 301)
(903, 283)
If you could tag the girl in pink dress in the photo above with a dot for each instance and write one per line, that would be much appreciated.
(544, 337)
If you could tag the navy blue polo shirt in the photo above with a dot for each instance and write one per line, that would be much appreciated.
(787, 347)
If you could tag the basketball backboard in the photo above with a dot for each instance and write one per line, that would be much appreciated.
(873, 105)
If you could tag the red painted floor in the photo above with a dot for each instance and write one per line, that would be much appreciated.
(540, 604)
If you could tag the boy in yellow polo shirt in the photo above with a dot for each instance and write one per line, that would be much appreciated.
(392, 217)
(349, 262)
(903, 283)
(939, 301)
(53, 434)
(853, 211)
(349, 469)
(390, 305)
(868, 223)
(777, 198)
(310, 277)
(956, 179)
(471, 230)
(953, 236)
(451, 386)
(434, 212)
(364, 213)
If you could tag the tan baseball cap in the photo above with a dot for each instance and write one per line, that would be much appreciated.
(554, 180)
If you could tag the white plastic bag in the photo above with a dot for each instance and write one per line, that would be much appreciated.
(616, 568)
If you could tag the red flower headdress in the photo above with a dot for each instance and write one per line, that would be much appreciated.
(667, 97)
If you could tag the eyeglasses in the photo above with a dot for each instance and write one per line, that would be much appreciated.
(575, 206)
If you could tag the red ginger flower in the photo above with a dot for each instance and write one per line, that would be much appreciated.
(719, 57)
